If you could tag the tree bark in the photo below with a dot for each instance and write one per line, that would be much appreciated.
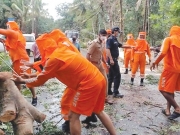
(148, 14)
(15, 108)
(1, 132)
(121, 21)
(145, 16)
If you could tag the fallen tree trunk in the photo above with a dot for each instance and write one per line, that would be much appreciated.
(15, 108)
(1, 132)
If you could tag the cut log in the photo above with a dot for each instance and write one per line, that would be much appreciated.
(15, 108)
(1, 132)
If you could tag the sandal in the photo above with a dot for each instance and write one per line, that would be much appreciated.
(109, 102)
(164, 112)
(174, 115)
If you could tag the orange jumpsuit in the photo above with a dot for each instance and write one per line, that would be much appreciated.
(78, 74)
(127, 52)
(61, 38)
(68, 94)
(57, 38)
(170, 51)
(15, 45)
(139, 55)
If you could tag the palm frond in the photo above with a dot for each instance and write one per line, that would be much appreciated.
(16, 8)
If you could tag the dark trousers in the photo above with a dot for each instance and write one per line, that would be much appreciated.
(114, 76)
(37, 59)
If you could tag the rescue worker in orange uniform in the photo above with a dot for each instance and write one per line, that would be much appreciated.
(59, 37)
(127, 52)
(88, 82)
(139, 57)
(170, 78)
(68, 93)
(15, 45)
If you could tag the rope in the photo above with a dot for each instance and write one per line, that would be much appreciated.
(1, 57)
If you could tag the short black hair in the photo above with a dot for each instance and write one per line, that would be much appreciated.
(115, 29)
(103, 32)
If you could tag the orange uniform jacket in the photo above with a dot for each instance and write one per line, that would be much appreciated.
(46, 46)
(141, 46)
(139, 58)
(127, 52)
(75, 72)
(15, 45)
(15, 42)
(87, 77)
(170, 51)
(130, 42)
(50, 38)
(62, 40)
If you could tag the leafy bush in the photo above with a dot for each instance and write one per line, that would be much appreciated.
(4, 62)
(48, 128)
(7, 128)
(152, 79)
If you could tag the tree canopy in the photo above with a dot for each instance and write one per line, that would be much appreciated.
(89, 16)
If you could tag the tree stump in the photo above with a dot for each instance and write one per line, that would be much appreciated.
(15, 108)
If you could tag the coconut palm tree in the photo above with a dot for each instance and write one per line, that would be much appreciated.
(36, 10)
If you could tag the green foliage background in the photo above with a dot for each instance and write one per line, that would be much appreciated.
(4, 61)
(89, 16)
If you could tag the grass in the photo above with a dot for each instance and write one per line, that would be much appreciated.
(46, 128)
(26, 92)
(49, 128)
(152, 80)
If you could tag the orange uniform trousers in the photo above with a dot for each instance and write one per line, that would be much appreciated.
(66, 101)
(169, 81)
(139, 60)
(127, 59)
(69, 93)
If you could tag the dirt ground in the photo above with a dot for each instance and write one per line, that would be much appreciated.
(138, 113)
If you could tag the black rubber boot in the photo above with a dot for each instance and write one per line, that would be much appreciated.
(126, 72)
(66, 127)
(110, 92)
(142, 82)
(89, 119)
(34, 101)
(132, 81)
